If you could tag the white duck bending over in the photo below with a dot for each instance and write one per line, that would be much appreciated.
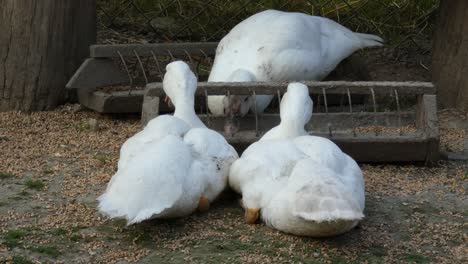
(280, 46)
(172, 167)
(297, 183)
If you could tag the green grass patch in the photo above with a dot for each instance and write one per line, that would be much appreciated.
(23, 193)
(370, 259)
(50, 251)
(21, 260)
(416, 258)
(59, 232)
(75, 238)
(6, 175)
(37, 185)
(77, 228)
(338, 260)
(101, 158)
(13, 237)
(48, 171)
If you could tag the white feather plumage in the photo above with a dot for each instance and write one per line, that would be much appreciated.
(302, 184)
(165, 169)
(282, 46)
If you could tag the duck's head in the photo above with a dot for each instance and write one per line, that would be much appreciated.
(179, 83)
(296, 106)
(238, 105)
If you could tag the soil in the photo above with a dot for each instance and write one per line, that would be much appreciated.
(53, 166)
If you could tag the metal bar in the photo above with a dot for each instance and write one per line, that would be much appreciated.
(192, 63)
(208, 113)
(375, 110)
(130, 79)
(255, 112)
(398, 111)
(141, 66)
(157, 65)
(338, 87)
(279, 99)
(204, 54)
(170, 55)
(351, 110)
(325, 100)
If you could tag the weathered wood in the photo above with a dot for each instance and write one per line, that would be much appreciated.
(42, 44)
(150, 109)
(450, 54)
(388, 149)
(162, 49)
(320, 121)
(115, 102)
(427, 120)
(333, 87)
(95, 73)
(367, 148)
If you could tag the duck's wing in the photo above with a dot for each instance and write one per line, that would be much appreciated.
(352, 176)
(155, 130)
(213, 157)
(264, 159)
(320, 195)
(150, 183)
(326, 153)
(322, 151)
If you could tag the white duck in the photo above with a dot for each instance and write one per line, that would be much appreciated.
(297, 183)
(172, 167)
(280, 46)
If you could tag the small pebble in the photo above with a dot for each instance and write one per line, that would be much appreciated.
(93, 124)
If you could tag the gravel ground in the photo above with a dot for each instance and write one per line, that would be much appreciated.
(53, 165)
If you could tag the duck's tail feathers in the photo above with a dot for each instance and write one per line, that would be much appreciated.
(326, 201)
(369, 40)
(112, 209)
(136, 201)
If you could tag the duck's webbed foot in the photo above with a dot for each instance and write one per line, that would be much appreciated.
(203, 204)
(251, 215)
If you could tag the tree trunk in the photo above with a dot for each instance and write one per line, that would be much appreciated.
(450, 55)
(42, 43)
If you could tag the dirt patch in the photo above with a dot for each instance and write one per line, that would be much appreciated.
(53, 166)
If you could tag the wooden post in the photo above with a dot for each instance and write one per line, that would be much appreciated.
(150, 109)
(428, 121)
(42, 43)
(450, 55)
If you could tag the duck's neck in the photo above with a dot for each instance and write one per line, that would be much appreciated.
(291, 128)
(185, 110)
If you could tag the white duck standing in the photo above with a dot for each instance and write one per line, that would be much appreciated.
(172, 167)
(297, 183)
(280, 46)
